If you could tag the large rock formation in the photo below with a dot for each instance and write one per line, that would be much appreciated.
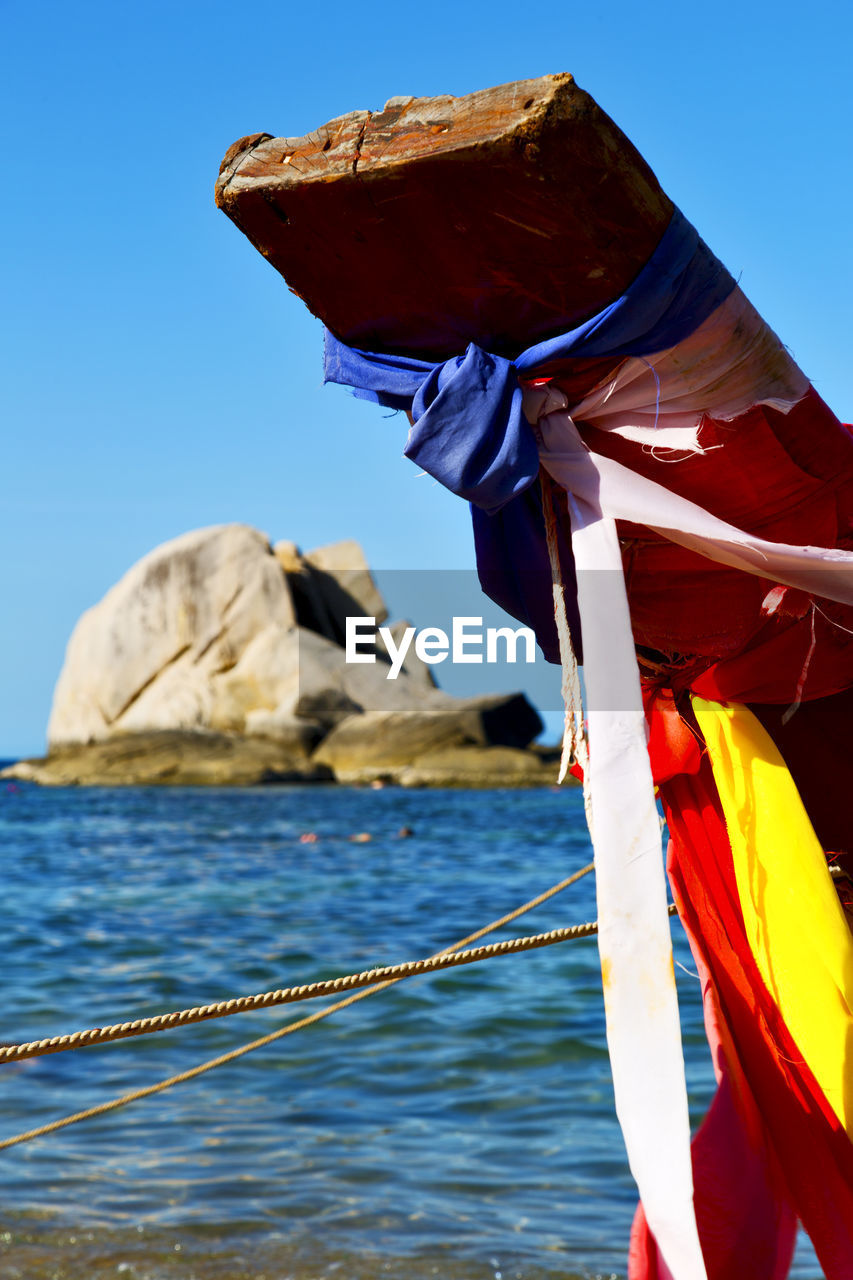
(157, 651)
(218, 658)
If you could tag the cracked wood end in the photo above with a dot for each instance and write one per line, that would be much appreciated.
(501, 217)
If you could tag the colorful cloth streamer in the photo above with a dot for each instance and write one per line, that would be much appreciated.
(774, 951)
(709, 495)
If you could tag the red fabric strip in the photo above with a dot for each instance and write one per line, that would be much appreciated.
(786, 1122)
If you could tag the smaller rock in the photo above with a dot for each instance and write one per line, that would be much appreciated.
(480, 767)
(388, 745)
(377, 744)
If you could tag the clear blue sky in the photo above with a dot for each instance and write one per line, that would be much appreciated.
(158, 376)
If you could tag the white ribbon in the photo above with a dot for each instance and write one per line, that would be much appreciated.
(622, 494)
(640, 1002)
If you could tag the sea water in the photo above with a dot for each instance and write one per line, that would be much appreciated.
(459, 1125)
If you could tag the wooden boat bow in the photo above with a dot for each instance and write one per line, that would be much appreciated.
(501, 217)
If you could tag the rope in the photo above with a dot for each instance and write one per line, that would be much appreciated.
(309, 991)
(290, 995)
(574, 739)
(379, 985)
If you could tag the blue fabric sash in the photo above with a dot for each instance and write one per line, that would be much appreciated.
(469, 430)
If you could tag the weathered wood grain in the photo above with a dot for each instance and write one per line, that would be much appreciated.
(501, 217)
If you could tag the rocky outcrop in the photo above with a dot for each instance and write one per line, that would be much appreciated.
(218, 658)
(176, 758)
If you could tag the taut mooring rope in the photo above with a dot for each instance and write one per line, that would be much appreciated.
(376, 985)
(290, 995)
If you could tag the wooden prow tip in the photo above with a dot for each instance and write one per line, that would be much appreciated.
(501, 217)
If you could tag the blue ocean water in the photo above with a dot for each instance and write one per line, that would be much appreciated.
(458, 1126)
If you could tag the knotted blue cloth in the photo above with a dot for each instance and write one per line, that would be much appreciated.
(470, 432)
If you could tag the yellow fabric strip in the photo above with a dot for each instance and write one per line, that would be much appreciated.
(795, 924)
